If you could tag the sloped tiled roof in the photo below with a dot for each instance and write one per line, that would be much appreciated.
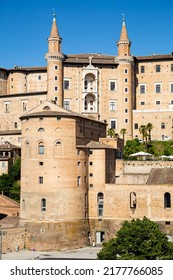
(95, 145)
(159, 176)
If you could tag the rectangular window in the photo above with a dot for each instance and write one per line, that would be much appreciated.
(136, 126)
(157, 68)
(125, 71)
(40, 163)
(157, 88)
(113, 123)
(39, 77)
(112, 85)
(157, 102)
(126, 100)
(142, 103)
(125, 89)
(112, 105)
(56, 67)
(162, 125)
(40, 180)
(171, 87)
(56, 78)
(142, 69)
(66, 84)
(56, 88)
(67, 104)
(171, 67)
(126, 111)
(142, 89)
(15, 124)
(126, 120)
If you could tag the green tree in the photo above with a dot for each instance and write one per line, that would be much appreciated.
(143, 131)
(111, 132)
(9, 183)
(132, 146)
(149, 127)
(138, 240)
(123, 131)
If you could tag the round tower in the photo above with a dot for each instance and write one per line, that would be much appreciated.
(53, 189)
(55, 59)
(125, 83)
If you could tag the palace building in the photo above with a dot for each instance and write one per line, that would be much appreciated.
(75, 186)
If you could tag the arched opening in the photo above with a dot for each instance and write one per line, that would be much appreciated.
(89, 103)
(41, 148)
(167, 200)
(100, 204)
(89, 82)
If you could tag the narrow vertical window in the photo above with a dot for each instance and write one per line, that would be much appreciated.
(100, 204)
(167, 200)
(132, 200)
(41, 148)
(43, 204)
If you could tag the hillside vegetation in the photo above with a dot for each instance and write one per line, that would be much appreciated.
(157, 148)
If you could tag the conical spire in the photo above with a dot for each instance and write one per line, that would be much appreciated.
(54, 31)
(124, 43)
(124, 35)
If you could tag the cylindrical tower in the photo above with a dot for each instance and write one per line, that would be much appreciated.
(53, 189)
(55, 59)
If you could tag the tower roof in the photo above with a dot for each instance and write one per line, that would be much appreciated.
(54, 31)
(124, 35)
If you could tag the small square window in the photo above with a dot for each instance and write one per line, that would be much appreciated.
(157, 68)
(40, 163)
(91, 163)
(142, 103)
(157, 102)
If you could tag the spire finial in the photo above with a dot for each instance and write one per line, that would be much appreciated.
(54, 15)
(123, 18)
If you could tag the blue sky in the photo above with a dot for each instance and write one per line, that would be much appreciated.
(90, 26)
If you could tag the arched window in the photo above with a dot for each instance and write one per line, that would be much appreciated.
(58, 148)
(41, 129)
(41, 148)
(167, 200)
(43, 204)
(132, 200)
(100, 204)
(57, 143)
(46, 108)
